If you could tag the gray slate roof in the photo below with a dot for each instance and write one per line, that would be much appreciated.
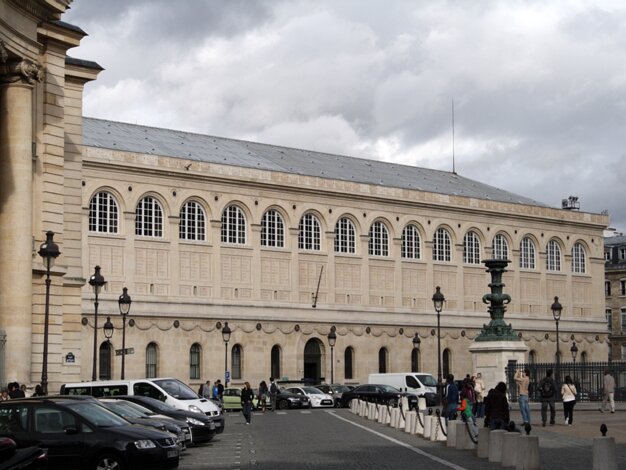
(615, 240)
(196, 147)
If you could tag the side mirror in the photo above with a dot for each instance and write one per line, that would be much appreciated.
(70, 430)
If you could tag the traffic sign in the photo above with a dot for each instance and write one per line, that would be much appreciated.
(119, 352)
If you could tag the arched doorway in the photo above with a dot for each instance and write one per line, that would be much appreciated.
(105, 361)
(313, 360)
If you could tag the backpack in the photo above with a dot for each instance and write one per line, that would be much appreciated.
(546, 388)
(273, 389)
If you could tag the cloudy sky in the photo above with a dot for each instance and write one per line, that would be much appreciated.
(539, 88)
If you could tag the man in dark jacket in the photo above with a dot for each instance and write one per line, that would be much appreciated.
(547, 392)
(451, 398)
(497, 407)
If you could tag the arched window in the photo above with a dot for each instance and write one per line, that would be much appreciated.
(410, 242)
(275, 362)
(379, 240)
(446, 361)
(532, 357)
(415, 360)
(233, 226)
(527, 254)
(151, 361)
(149, 218)
(471, 248)
(194, 361)
(272, 229)
(309, 233)
(382, 360)
(192, 222)
(105, 361)
(348, 360)
(500, 247)
(235, 362)
(345, 236)
(442, 246)
(579, 259)
(584, 357)
(103, 213)
(553, 256)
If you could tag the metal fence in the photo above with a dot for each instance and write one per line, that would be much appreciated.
(587, 376)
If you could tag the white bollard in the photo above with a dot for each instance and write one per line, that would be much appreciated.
(409, 426)
(604, 456)
(482, 449)
(496, 439)
(387, 415)
(509, 448)
(421, 403)
(353, 406)
(528, 453)
(382, 410)
(401, 419)
(362, 408)
(463, 439)
(394, 417)
(438, 429)
(452, 430)
(419, 423)
(428, 424)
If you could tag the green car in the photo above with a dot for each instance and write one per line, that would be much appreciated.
(232, 399)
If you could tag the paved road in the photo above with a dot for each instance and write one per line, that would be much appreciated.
(320, 439)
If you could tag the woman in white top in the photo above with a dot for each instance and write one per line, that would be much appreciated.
(568, 392)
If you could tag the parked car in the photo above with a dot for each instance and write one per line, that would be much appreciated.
(232, 399)
(82, 434)
(317, 398)
(28, 458)
(286, 400)
(137, 414)
(202, 427)
(335, 391)
(379, 393)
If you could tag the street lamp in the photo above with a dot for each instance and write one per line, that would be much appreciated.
(332, 339)
(108, 329)
(96, 281)
(438, 300)
(226, 338)
(557, 308)
(49, 251)
(574, 351)
(124, 303)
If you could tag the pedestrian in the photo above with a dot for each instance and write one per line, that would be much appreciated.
(467, 415)
(523, 379)
(205, 390)
(468, 392)
(479, 391)
(274, 389)
(38, 391)
(247, 394)
(4, 395)
(547, 392)
(220, 390)
(15, 391)
(568, 392)
(497, 407)
(263, 392)
(215, 391)
(451, 398)
(608, 392)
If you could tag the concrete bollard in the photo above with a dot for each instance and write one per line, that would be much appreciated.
(401, 419)
(452, 430)
(353, 406)
(409, 426)
(509, 448)
(382, 413)
(421, 403)
(438, 429)
(482, 449)
(371, 411)
(419, 423)
(604, 456)
(496, 440)
(363, 408)
(463, 439)
(394, 417)
(428, 424)
(527, 457)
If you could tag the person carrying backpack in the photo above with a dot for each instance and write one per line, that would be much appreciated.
(273, 392)
(547, 392)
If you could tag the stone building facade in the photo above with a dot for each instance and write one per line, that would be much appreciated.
(283, 244)
(615, 293)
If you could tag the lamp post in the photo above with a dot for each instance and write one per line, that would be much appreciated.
(416, 347)
(332, 339)
(124, 303)
(226, 338)
(96, 281)
(108, 329)
(557, 309)
(49, 251)
(438, 300)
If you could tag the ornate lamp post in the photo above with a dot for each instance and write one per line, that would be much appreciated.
(49, 251)
(438, 300)
(108, 329)
(96, 281)
(124, 303)
(416, 347)
(332, 339)
(226, 338)
(574, 351)
(557, 309)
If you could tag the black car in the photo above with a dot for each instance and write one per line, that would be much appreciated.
(29, 458)
(202, 427)
(378, 393)
(82, 434)
(286, 400)
(334, 390)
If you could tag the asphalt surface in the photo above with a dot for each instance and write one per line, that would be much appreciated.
(323, 438)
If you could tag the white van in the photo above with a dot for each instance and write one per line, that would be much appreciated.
(169, 390)
(421, 384)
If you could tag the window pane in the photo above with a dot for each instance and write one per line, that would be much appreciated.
(192, 222)
(103, 213)
(442, 246)
(345, 237)
(309, 233)
(272, 230)
(410, 242)
(471, 248)
(233, 226)
(378, 240)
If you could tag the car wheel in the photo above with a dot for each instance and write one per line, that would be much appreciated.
(108, 462)
(283, 405)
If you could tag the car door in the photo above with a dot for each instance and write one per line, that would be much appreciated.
(14, 422)
(58, 430)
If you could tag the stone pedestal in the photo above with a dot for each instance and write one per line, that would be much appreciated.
(490, 358)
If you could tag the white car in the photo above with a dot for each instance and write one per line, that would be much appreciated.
(317, 398)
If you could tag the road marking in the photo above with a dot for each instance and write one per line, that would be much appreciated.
(400, 443)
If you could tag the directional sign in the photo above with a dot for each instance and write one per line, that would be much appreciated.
(119, 352)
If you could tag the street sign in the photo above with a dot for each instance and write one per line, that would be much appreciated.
(227, 375)
(119, 352)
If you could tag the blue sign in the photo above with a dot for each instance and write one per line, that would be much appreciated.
(227, 375)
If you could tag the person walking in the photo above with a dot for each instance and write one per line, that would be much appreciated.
(547, 392)
(522, 379)
(451, 398)
(273, 392)
(205, 390)
(220, 390)
(568, 392)
(497, 407)
(263, 392)
(247, 394)
(609, 392)
(479, 391)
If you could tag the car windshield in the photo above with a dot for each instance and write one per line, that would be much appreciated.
(127, 409)
(312, 391)
(158, 404)
(97, 415)
(427, 380)
(389, 389)
(340, 388)
(177, 389)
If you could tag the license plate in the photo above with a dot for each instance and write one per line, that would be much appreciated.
(172, 453)
(217, 425)
(212, 426)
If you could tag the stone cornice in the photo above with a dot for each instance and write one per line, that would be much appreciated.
(21, 71)
(42, 9)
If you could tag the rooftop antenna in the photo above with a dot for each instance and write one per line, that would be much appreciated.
(453, 167)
